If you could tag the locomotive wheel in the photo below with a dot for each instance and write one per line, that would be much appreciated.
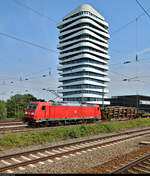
(46, 123)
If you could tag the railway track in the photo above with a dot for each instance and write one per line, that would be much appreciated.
(10, 123)
(30, 158)
(26, 128)
(16, 126)
(140, 165)
(12, 127)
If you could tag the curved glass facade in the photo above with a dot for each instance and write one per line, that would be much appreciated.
(83, 56)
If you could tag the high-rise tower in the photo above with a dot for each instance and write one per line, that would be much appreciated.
(83, 56)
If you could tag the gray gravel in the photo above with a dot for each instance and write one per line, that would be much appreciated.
(80, 163)
(77, 163)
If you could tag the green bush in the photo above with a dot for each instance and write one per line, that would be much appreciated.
(3, 110)
(20, 114)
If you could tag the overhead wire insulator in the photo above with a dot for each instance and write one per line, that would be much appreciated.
(125, 80)
(126, 62)
(137, 58)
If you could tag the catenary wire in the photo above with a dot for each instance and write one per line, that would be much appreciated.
(143, 8)
(34, 11)
(127, 24)
(27, 42)
(119, 29)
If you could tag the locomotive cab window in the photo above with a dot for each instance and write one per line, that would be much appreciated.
(32, 106)
(43, 107)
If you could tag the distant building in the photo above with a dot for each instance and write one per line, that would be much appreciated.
(139, 101)
(83, 56)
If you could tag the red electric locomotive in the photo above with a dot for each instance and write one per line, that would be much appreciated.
(46, 113)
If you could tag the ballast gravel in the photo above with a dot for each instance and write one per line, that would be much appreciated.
(80, 163)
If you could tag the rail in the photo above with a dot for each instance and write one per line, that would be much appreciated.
(127, 167)
(63, 150)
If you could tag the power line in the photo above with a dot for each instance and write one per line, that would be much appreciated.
(127, 24)
(123, 26)
(143, 9)
(119, 73)
(35, 73)
(125, 62)
(36, 45)
(33, 10)
(45, 16)
(27, 42)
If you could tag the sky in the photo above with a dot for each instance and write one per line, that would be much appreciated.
(29, 39)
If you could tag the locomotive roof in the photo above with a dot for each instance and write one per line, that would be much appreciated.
(62, 103)
(70, 104)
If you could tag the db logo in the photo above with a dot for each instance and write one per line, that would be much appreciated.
(75, 111)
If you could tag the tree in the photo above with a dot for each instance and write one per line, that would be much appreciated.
(17, 103)
(3, 110)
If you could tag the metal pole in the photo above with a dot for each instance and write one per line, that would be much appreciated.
(103, 97)
(137, 99)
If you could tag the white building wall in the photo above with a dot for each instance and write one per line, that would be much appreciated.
(83, 56)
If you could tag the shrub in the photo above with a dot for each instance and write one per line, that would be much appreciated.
(61, 133)
(3, 110)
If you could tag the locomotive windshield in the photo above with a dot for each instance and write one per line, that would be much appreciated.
(32, 106)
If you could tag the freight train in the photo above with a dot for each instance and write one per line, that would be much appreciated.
(47, 113)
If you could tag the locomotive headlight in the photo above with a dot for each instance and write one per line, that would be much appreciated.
(32, 113)
(26, 112)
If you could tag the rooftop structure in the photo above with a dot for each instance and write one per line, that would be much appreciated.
(139, 101)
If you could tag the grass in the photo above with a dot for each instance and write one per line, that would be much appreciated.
(8, 119)
(11, 140)
(146, 114)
